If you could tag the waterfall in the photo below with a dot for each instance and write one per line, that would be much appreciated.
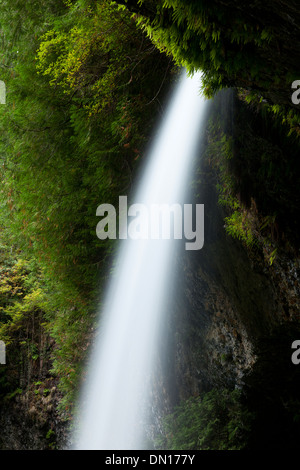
(115, 398)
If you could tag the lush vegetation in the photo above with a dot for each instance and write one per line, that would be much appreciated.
(83, 89)
(85, 80)
(216, 421)
(233, 45)
(254, 162)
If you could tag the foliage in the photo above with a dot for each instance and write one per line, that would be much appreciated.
(83, 90)
(197, 35)
(232, 44)
(289, 117)
(256, 171)
(240, 223)
(216, 421)
(23, 324)
(94, 58)
(238, 226)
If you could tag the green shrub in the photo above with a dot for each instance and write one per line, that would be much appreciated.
(216, 421)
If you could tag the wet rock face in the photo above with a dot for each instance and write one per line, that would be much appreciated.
(30, 421)
(215, 316)
(232, 323)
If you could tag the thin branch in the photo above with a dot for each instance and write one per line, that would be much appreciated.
(161, 85)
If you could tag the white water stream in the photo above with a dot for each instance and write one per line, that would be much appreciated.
(115, 398)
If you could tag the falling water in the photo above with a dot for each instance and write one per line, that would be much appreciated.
(115, 398)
